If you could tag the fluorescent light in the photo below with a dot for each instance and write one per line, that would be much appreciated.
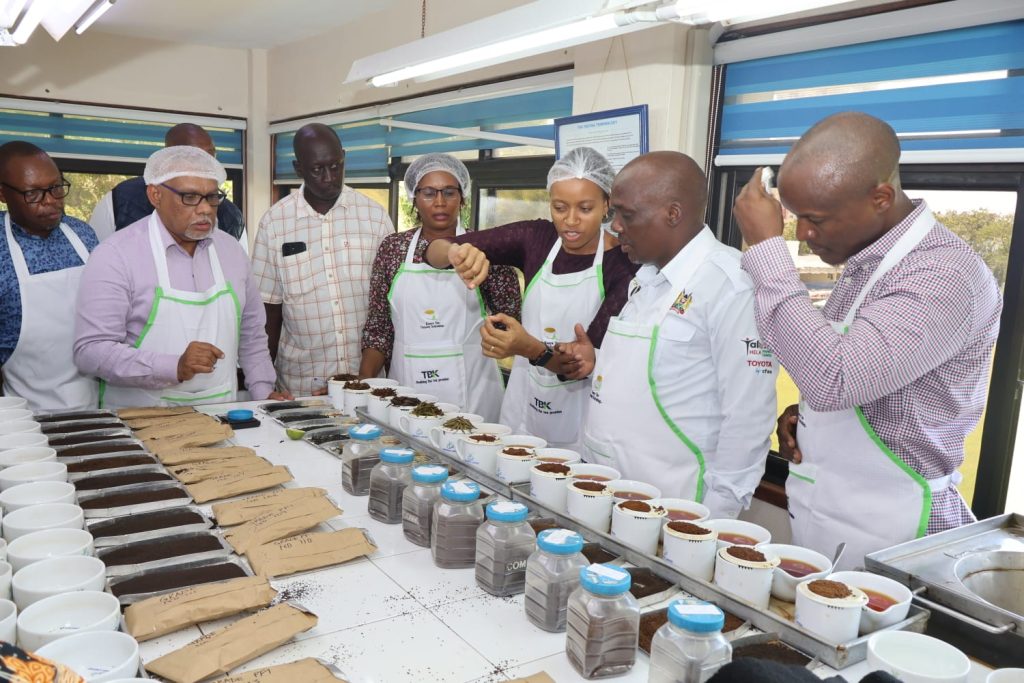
(9, 11)
(737, 11)
(30, 21)
(93, 14)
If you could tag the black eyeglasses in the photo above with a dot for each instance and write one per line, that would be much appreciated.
(430, 193)
(194, 198)
(58, 191)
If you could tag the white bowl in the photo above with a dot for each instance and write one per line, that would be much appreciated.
(26, 454)
(12, 402)
(23, 439)
(686, 510)
(381, 383)
(8, 621)
(41, 545)
(38, 517)
(32, 471)
(870, 620)
(1006, 676)
(523, 441)
(12, 414)
(59, 616)
(36, 493)
(634, 490)
(97, 656)
(602, 473)
(750, 581)
(19, 427)
(783, 583)
(58, 575)
(562, 456)
(834, 619)
(917, 658)
(730, 528)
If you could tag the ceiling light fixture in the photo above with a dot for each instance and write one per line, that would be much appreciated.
(92, 15)
(29, 21)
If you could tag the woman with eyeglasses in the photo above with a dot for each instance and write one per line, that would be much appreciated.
(577, 276)
(422, 321)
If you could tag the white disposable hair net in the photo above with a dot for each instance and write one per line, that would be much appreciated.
(179, 161)
(583, 163)
(428, 163)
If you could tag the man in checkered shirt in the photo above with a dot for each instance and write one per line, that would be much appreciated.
(893, 371)
(312, 259)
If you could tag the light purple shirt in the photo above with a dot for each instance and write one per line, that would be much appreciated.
(116, 295)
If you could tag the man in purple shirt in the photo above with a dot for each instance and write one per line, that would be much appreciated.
(168, 307)
(893, 371)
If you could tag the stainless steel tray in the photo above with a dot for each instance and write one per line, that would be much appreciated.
(287, 418)
(271, 407)
(137, 507)
(106, 541)
(122, 444)
(131, 598)
(80, 438)
(71, 415)
(224, 550)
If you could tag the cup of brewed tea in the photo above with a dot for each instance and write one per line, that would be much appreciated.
(681, 509)
(888, 600)
(738, 532)
(796, 564)
(631, 489)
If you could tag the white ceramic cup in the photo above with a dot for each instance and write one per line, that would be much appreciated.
(444, 438)
(395, 412)
(783, 583)
(694, 554)
(483, 455)
(26, 454)
(97, 656)
(418, 427)
(638, 528)
(6, 575)
(32, 471)
(19, 427)
(1006, 676)
(729, 529)
(750, 581)
(355, 398)
(377, 406)
(917, 658)
(60, 616)
(58, 575)
(834, 619)
(602, 473)
(8, 621)
(12, 402)
(523, 441)
(38, 517)
(3, 550)
(514, 469)
(336, 393)
(563, 456)
(592, 508)
(37, 493)
(40, 545)
(22, 440)
(632, 489)
(870, 620)
(381, 383)
(550, 488)
(685, 510)
(12, 414)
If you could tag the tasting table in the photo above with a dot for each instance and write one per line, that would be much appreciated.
(394, 617)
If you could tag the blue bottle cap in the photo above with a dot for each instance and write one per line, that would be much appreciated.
(507, 511)
(460, 491)
(429, 474)
(560, 541)
(696, 616)
(605, 579)
(399, 456)
(365, 432)
(239, 415)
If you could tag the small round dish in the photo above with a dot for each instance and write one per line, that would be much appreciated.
(239, 415)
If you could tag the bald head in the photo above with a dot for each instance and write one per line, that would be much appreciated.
(190, 135)
(320, 162)
(667, 177)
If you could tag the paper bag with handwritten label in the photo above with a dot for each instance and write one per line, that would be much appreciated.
(190, 473)
(281, 522)
(237, 482)
(309, 551)
(132, 413)
(307, 670)
(250, 507)
(181, 456)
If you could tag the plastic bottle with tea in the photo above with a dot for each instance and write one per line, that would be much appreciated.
(504, 542)
(690, 647)
(418, 502)
(457, 515)
(552, 574)
(358, 457)
(603, 623)
(388, 481)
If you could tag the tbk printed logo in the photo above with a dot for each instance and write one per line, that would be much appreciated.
(430, 374)
(544, 407)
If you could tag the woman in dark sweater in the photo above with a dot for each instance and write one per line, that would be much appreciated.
(576, 276)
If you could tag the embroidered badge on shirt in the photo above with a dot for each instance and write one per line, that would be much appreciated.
(682, 302)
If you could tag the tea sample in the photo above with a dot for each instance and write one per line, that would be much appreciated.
(592, 477)
(109, 481)
(161, 549)
(171, 578)
(100, 447)
(675, 515)
(879, 602)
(540, 524)
(73, 427)
(345, 377)
(148, 521)
(652, 621)
(518, 452)
(595, 554)
(98, 464)
(646, 583)
(76, 439)
(75, 415)
(631, 495)
(115, 500)
(427, 410)
(797, 568)
(383, 392)
(774, 650)
(405, 401)
(458, 424)
(553, 468)
(736, 539)
(592, 486)
(829, 589)
(688, 528)
(483, 438)
(744, 553)
(356, 386)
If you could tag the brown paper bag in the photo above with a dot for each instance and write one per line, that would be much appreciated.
(132, 413)
(184, 427)
(233, 483)
(281, 522)
(541, 677)
(203, 437)
(233, 645)
(191, 473)
(307, 670)
(142, 425)
(154, 617)
(309, 551)
(179, 456)
(250, 507)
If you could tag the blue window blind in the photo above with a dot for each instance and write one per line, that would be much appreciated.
(75, 135)
(952, 91)
(370, 145)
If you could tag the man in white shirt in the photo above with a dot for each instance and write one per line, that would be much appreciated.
(312, 258)
(683, 392)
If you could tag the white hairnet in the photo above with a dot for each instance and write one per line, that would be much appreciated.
(179, 161)
(583, 163)
(428, 163)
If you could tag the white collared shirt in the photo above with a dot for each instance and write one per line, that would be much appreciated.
(709, 360)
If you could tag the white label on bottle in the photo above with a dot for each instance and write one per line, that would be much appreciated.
(504, 506)
(461, 487)
(560, 536)
(710, 610)
(607, 572)
(430, 470)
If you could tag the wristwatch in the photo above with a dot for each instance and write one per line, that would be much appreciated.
(543, 358)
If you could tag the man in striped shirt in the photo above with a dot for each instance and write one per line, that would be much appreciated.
(893, 371)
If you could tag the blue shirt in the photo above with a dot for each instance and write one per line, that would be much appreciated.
(41, 256)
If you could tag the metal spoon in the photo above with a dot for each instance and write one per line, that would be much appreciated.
(840, 549)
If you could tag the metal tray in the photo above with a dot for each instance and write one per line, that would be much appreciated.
(115, 446)
(78, 426)
(121, 570)
(79, 438)
(153, 465)
(287, 418)
(71, 415)
(106, 541)
(131, 598)
(138, 507)
(271, 407)
(322, 423)
(134, 469)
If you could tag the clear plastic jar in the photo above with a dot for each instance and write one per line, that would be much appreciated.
(388, 481)
(358, 457)
(418, 502)
(552, 574)
(457, 514)
(690, 648)
(504, 542)
(603, 623)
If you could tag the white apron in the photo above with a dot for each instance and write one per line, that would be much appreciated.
(177, 318)
(629, 426)
(536, 401)
(437, 339)
(41, 369)
(849, 486)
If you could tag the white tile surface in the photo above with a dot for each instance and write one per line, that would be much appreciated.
(559, 668)
(430, 585)
(158, 647)
(389, 538)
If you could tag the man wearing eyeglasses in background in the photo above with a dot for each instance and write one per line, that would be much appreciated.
(312, 258)
(42, 256)
(168, 305)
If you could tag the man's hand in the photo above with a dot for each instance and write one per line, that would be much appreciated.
(281, 396)
(786, 431)
(199, 357)
(581, 352)
(470, 263)
(757, 212)
(502, 336)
